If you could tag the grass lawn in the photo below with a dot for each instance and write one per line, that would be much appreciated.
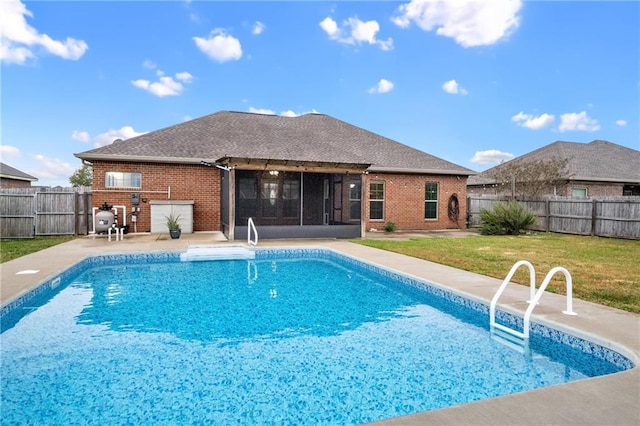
(12, 249)
(604, 270)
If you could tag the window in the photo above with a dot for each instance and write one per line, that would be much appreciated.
(247, 195)
(123, 180)
(376, 200)
(355, 199)
(290, 198)
(579, 192)
(431, 200)
(269, 197)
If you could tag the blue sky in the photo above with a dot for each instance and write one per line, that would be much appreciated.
(473, 82)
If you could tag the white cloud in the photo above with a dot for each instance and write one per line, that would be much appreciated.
(287, 113)
(454, 88)
(166, 85)
(184, 77)
(621, 122)
(383, 86)
(491, 156)
(219, 46)
(258, 28)
(290, 113)
(80, 136)
(111, 135)
(355, 32)
(51, 168)
(18, 39)
(149, 64)
(9, 151)
(469, 22)
(261, 111)
(577, 121)
(531, 122)
(330, 27)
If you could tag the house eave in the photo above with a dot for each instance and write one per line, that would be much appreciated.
(573, 180)
(140, 158)
(403, 170)
(293, 165)
(23, 178)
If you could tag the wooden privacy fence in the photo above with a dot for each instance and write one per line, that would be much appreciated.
(27, 212)
(617, 217)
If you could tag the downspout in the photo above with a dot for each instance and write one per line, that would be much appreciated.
(232, 205)
(363, 225)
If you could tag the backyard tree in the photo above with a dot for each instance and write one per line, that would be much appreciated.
(531, 178)
(82, 177)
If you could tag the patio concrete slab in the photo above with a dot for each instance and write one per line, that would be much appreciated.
(607, 400)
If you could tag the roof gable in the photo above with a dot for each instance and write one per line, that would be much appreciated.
(8, 172)
(599, 161)
(306, 138)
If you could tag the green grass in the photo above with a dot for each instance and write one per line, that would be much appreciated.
(603, 270)
(12, 249)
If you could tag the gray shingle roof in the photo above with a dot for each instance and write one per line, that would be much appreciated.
(6, 171)
(598, 161)
(307, 138)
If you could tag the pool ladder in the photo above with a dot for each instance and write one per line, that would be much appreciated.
(534, 298)
(252, 227)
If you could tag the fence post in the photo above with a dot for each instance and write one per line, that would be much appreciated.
(76, 208)
(547, 212)
(468, 218)
(594, 210)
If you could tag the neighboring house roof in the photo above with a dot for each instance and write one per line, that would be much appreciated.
(8, 172)
(596, 161)
(306, 138)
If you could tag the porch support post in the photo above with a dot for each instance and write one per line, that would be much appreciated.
(301, 198)
(363, 225)
(232, 204)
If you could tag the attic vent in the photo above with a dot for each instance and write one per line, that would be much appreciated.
(117, 141)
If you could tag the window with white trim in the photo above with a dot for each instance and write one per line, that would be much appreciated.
(579, 192)
(122, 180)
(376, 200)
(431, 200)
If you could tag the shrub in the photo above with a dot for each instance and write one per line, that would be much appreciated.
(390, 227)
(506, 219)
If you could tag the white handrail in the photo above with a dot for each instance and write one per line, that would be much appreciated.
(532, 288)
(547, 279)
(534, 299)
(251, 226)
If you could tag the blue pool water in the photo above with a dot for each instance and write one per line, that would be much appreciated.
(293, 337)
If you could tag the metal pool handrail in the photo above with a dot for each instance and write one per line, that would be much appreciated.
(534, 299)
(252, 227)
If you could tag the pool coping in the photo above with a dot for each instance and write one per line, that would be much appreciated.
(611, 399)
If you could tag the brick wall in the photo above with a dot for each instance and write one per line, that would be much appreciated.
(185, 182)
(14, 183)
(404, 195)
(593, 189)
(404, 200)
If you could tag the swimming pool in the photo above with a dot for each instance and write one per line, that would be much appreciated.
(141, 339)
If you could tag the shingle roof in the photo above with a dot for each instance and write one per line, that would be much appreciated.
(309, 138)
(598, 161)
(6, 171)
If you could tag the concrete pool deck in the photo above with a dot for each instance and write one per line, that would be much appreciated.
(608, 400)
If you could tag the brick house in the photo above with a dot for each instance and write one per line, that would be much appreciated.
(308, 176)
(595, 169)
(14, 178)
